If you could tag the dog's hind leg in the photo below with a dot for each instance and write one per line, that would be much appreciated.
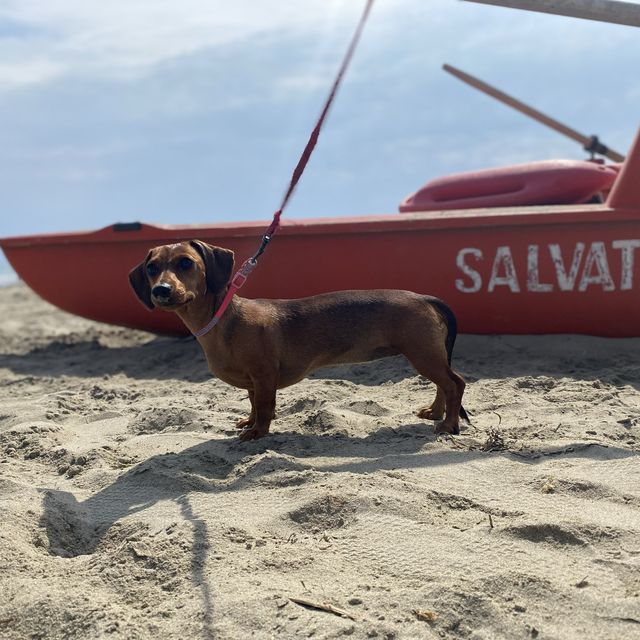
(450, 387)
(451, 423)
(434, 411)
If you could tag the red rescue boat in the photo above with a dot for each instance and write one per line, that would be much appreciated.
(540, 269)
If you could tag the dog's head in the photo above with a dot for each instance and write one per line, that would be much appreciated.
(174, 275)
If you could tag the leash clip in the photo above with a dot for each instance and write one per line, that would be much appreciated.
(266, 239)
(243, 273)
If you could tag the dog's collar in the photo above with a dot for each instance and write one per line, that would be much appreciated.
(216, 316)
(238, 280)
(212, 323)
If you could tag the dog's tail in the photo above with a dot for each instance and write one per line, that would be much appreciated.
(452, 333)
(452, 324)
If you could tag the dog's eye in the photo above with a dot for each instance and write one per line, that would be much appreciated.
(153, 270)
(185, 263)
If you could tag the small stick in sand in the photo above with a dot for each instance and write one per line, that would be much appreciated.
(620, 619)
(322, 606)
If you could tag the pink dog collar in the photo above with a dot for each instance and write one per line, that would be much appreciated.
(238, 280)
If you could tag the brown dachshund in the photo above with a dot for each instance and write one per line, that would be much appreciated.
(265, 345)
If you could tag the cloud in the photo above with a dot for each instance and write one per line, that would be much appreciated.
(128, 38)
(28, 72)
(48, 40)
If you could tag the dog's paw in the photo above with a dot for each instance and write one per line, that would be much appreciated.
(443, 427)
(245, 422)
(253, 433)
(429, 413)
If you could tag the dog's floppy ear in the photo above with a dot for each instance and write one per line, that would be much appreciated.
(140, 284)
(218, 264)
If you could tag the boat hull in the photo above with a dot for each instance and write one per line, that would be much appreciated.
(540, 270)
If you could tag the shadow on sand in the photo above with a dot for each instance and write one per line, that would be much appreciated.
(227, 465)
(609, 361)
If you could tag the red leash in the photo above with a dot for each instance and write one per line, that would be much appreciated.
(243, 272)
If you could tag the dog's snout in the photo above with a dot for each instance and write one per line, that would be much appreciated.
(162, 290)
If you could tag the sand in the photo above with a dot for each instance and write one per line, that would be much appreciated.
(130, 509)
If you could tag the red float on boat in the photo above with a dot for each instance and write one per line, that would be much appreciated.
(532, 183)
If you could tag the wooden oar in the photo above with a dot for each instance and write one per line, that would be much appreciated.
(589, 143)
(613, 11)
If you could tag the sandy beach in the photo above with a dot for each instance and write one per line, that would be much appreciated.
(131, 510)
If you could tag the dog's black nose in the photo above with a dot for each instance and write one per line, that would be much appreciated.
(161, 290)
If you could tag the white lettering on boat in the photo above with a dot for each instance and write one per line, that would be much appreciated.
(503, 263)
(584, 268)
(472, 274)
(597, 257)
(533, 272)
(566, 282)
(628, 247)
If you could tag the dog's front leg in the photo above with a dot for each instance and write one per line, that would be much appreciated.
(248, 422)
(263, 406)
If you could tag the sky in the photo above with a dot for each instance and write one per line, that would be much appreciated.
(195, 111)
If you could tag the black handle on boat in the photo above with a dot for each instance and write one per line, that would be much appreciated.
(127, 226)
